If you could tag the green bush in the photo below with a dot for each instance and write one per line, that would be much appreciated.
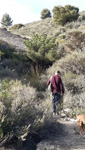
(16, 26)
(62, 15)
(45, 13)
(83, 17)
(1, 53)
(42, 50)
(6, 20)
(6, 49)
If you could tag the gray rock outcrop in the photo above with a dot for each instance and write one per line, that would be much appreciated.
(13, 39)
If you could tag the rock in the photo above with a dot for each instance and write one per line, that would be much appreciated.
(13, 39)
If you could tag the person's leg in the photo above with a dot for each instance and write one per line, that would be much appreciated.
(53, 103)
(58, 102)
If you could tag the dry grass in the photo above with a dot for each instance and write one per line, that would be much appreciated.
(47, 26)
(21, 110)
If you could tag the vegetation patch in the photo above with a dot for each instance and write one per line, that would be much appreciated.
(16, 26)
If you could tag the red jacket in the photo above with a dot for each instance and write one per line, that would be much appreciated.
(56, 84)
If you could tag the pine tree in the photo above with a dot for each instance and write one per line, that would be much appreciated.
(42, 50)
(6, 20)
(45, 13)
(62, 15)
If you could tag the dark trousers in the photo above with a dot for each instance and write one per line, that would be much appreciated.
(55, 102)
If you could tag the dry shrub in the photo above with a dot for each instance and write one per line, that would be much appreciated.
(75, 104)
(21, 111)
(73, 63)
(75, 41)
(18, 107)
(7, 73)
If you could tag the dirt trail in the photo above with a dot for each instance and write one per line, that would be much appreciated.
(63, 136)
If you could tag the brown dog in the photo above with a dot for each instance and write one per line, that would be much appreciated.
(81, 122)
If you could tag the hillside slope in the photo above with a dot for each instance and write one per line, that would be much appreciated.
(15, 40)
(48, 27)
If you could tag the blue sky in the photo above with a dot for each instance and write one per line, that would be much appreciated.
(25, 11)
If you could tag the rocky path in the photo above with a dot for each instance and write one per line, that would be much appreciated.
(63, 136)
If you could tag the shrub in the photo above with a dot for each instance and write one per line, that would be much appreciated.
(74, 83)
(83, 17)
(42, 50)
(16, 26)
(1, 53)
(76, 40)
(17, 104)
(45, 13)
(62, 15)
(21, 111)
(73, 65)
(6, 49)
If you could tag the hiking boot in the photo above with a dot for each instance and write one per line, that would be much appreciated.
(54, 114)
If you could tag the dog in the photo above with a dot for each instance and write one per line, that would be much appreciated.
(81, 122)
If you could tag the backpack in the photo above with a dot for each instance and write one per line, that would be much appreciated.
(49, 86)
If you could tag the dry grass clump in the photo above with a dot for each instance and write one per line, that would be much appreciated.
(74, 104)
(74, 25)
(82, 28)
(36, 27)
(75, 84)
(12, 69)
(73, 63)
(15, 98)
(21, 111)
(48, 27)
(75, 41)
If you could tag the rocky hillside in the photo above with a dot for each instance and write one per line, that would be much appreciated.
(15, 40)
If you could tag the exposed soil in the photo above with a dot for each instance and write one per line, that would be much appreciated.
(63, 136)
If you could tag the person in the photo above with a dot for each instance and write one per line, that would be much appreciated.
(57, 89)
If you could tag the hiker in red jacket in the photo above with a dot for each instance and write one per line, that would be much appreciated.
(57, 89)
